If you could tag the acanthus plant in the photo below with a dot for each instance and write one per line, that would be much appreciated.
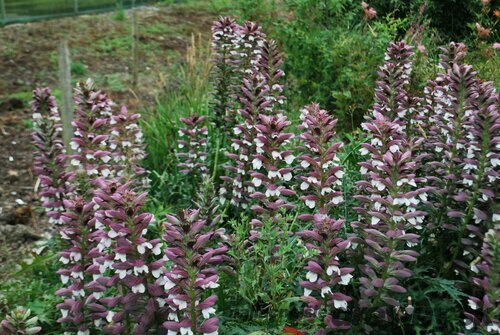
(131, 261)
(50, 155)
(473, 210)
(237, 185)
(80, 307)
(272, 170)
(391, 93)
(127, 147)
(194, 251)
(447, 147)
(320, 171)
(20, 322)
(454, 53)
(92, 151)
(390, 194)
(225, 45)
(192, 145)
(321, 176)
(325, 273)
(483, 308)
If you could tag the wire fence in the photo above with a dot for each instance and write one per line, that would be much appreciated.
(15, 11)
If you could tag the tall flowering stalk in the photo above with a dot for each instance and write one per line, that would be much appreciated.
(325, 274)
(91, 145)
(49, 156)
(127, 147)
(225, 45)
(391, 93)
(389, 196)
(79, 232)
(320, 172)
(484, 307)
(237, 185)
(272, 171)
(132, 261)
(269, 66)
(194, 252)
(454, 100)
(192, 146)
(250, 44)
(474, 203)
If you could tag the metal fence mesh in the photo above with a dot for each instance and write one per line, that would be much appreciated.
(13, 11)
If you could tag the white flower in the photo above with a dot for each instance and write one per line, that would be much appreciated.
(394, 148)
(307, 292)
(340, 304)
(257, 164)
(110, 315)
(139, 288)
(364, 151)
(493, 328)
(304, 186)
(325, 290)
(375, 220)
(289, 159)
(207, 311)
(304, 164)
(339, 174)
(345, 279)
(121, 257)
(180, 303)
(237, 130)
(472, 304)
(140, 269)
(331, 269)
(287, 176)
(337, 200)
(468, 324)
(186, 331)
(311, 276)
(141, 248)
(310, 203)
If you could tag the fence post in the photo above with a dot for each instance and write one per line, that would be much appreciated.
(3, 15)
(66, 92)
(135, 56)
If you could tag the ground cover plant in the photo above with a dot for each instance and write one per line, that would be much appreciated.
(261, 219)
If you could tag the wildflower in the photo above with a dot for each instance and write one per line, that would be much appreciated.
(321, 178)
(192, 250)
(274, 173)
(392, 210)
(192, 146)
(20, 322)
(325, 275)
(50, 155)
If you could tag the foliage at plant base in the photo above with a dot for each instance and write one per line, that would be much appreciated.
(275, 224)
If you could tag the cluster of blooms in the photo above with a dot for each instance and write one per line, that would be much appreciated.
(77, 260)
(92, 150)
(269, 66)
(473, 205)
(453, 54)
(225, 43)
(254, 102)
(236, 51)
(19, 322)
(321, 173)
(325, 273)
(193, 145)
(127, 147)
(484, 309)
(389, 196)
(193, 250)
(391, 96)
(49, 156)
(272, 171)
(130, 260)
